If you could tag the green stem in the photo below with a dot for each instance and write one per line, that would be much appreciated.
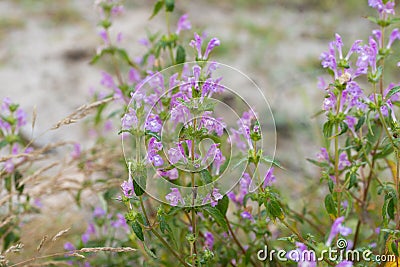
(238, 242)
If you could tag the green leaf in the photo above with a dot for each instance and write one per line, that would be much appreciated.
(206, 176)
(169, 5)
(353, 180)
(139, 184)
(271, 161)
(3, 143)
(392, 92)
(330, 205)
(223, 204)
(164, 226)
(149, 251)
(327, 129)
(274, 210)
(180, 55)
(217, 216)
(394, 248)
(124, 55)
(137, 229)
(391, 208)
(157, 8)
(360, 123)
(317, 163)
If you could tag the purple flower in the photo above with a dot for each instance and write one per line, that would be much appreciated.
(209, 240)
(127, 188)
(382, 8)
(183, 24)
(338, 228)
(99, 212)
(303, 259)
(85, 238)
(197, 44)
(246, 215)
(172, 174)
(76, 152)
(214, 42)
(323, 155)
(350, 121)
(345, 264)
(117, 10)
(175, 197)
(103, 34)
(129, 119)
(343, 161)
(21, 117)
(69, 246)
(269, 177)
(119, 222)
(107, 80)
(174, 155)
(133, 76)
(213, 197)
(243, 190)
(153, 123)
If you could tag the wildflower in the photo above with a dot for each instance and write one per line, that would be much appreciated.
(213, 197)
(119, 222)
(153, 123)
(343, 161)
(175, 197)
(345, 264)
(383, 9)
(99, 212)
(76, 152)
(197, 44)
(209, 240)
(299, 255)
(183, 24)
(133, 76)
(243, 190)
(127, 188)
(269, 177)
(171, 174)
(69, 246)
(338, 228)
(246, 215)
(323, 155)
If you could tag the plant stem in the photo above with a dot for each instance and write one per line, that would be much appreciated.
(238, 242)
(194, 193)
(338, 187)
(165, 243)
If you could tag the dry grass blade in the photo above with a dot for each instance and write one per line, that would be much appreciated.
(34, 116)
(81, 112)
(37, 173)
(59, 234)
(44, 239)
(49, 263)
(108, 249)
(34, 154)
(5, 199)
(7, 221)
(77, 255)
(14, 249)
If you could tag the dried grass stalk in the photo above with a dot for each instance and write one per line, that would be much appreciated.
(59, 234)
(81, 112)
(108, 249)
(44, 239)
(37, 173)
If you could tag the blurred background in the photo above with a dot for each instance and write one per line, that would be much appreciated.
(46, 46)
